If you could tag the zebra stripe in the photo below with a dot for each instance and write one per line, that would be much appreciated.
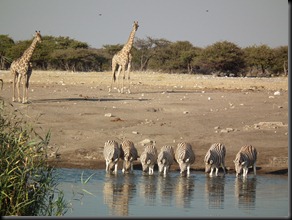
(214, 158)
(185, 156)
(111, 153)
(245, 158)
(148, 158)
(165, 159)
(129, 154)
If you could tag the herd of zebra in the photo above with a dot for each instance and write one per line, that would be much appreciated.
(183, 155)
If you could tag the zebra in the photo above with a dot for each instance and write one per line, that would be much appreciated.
(245, 158)
(148, 158)
(111, 153)
(129, 154)
(214, 158)
(185, 157)
(165, 159)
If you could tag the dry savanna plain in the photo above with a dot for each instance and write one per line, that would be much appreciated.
(81, 114)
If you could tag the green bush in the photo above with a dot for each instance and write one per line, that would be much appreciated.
(27, 182)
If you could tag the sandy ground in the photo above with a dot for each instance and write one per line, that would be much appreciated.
(166, 108)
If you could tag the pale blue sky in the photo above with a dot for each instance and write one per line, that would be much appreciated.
(201, 22)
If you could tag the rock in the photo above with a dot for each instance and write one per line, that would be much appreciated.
(277, 93)
(145, 142)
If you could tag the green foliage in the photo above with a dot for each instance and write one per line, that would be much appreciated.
(149, 52)
(27, 183)
(259, 57)
(112, 49)
(77, 59)
(223, 57)
(5, 43)
(280, 60)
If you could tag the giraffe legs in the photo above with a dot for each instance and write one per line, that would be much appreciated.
(13, 89)
(18, 86)
(113, 74)
(128, 76)
(121, 68)
(17, 79)
(25, 88)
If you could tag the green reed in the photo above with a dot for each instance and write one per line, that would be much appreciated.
(27, 183)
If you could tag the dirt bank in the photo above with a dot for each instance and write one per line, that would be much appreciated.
(167, 108)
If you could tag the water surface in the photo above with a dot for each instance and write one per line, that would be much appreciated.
(94, 193)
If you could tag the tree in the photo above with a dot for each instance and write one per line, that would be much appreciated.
(259, 57)
(223, 57)
(280, 60)
(112, 49)
(78, 59)
(146, 49)
(5, 43)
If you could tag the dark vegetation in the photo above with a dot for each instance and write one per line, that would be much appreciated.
(28, 184)
(221, 58)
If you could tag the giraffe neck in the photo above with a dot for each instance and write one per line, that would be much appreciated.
(29, 51)
(128, 46)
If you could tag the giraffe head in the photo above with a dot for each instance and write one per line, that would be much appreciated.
(135, 25)
(38, 36)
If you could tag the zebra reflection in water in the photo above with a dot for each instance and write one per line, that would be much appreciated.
(148, 187)
(165, 188)
(214, 190)
(245, 192)
(118, 193)
(184, 191)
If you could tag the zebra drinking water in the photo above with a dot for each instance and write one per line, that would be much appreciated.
(148, 158)
(165, 159)
(111, 153)
(214, 158)
(185, 157)
(129, 154)
(245, 158)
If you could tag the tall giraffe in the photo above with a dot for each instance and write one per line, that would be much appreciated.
(21, 69)
(123, 58)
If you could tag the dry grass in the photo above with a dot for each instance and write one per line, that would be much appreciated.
(186, 81)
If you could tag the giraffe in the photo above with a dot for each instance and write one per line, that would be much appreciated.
(123, 58)
(21, 69)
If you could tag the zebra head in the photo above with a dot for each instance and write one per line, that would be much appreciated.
(112, 164)
(127, 164)
(208, 165)
(183, 164)
(239, 165)
(145, 167)
(161, 164)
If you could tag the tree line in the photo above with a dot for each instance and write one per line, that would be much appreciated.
(222, 58)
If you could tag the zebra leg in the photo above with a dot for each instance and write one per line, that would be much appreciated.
(254, 169)
(116, 168)
(217, 169)
(188, 170)
(211, 172)
(106, 166)
(223, 167)
(245, 170)
(150, 170)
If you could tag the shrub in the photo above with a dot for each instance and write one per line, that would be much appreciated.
(27, 182)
